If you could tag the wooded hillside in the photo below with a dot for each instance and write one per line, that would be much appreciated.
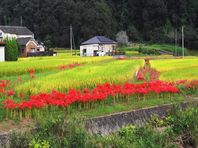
(144, 20)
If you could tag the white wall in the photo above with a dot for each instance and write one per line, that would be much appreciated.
(10, 36)
(41, 48)
(2, 53)
(102, 49)
(25, 36)
(89, 48)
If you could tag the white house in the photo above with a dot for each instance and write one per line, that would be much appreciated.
(24, 37)
(97, 46)
(15, 32)
(2, 52)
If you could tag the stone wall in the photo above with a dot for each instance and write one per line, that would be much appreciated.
(4, 140)
(111, 123)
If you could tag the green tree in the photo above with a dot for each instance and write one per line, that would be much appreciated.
(11, 50)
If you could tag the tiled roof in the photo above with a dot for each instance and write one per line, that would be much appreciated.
(99, 40)
(18, 30)
(24, 41)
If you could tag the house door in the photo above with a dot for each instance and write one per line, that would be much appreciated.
(96, 53)
(84, 52)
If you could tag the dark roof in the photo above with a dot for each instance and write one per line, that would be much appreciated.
(18, 30)
(99, 40)
(24, 41)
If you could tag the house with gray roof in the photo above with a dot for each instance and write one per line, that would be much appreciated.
(24, 37)
(15, 32)
(98, 46)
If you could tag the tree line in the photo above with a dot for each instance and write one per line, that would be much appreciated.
(143, 20)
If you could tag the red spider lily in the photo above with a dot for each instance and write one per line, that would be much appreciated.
(99, 93)
(21, 95)
(10, 92)
(9, 104)
(70, 66)
(19, 78)
(31, 71)
(147, 74)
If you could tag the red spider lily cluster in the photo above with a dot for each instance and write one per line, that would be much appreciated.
(99, 93)
(122, 58)
(6, 87)
(3, 85)
(70, 66)
(147, 74)
(187, 86)
(31, 72)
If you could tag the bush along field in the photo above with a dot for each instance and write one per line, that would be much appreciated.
(156, 49)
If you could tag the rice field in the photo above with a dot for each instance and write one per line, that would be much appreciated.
(41, 75)
(43, 64)
(93, 71)
(177, 69)
(85, 76)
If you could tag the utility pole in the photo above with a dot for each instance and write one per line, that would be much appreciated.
(183, 41)
(71, 37)
(176, 42)
(21, 21)
(74, 43)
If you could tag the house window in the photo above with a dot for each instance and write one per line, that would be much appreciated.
(38, 49)
(32, 49)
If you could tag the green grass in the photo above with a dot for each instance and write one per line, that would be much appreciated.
(177, 69)
(121, 107)
(86, 76)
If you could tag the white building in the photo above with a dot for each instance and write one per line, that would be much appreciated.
(2, 52)
(15, 32)
(24, 37)
(97, 46)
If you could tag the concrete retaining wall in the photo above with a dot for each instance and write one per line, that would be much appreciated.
(108, 124)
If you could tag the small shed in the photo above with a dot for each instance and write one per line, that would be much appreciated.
(98, 46)
(2, 51)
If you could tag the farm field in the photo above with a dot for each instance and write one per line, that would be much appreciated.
(85, 76)
(179, 69)
(42, 64)
(110, 83)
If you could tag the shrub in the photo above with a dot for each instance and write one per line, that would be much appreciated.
(11, 50)
(149, 51)
(20, 139)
